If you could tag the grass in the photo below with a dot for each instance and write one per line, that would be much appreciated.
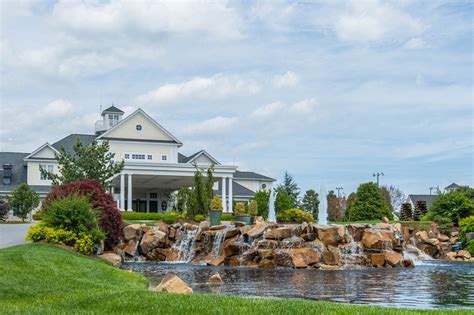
(44, 279)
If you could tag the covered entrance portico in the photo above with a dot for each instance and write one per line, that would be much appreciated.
(149, 187)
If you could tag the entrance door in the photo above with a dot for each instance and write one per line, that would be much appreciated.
(154, 206)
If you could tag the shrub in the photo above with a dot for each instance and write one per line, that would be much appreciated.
(227, 217)
(253, 208)
(369, 204)
(110, 219)
(239, 208)
(4, 209)
(262, 197)
(470, 247)
(454, 205)
(84, 244)
(23, 200)
(295, 215)
(467, 226)
(199, 217)
(38, 216)
(168, 217)
(444, 225)
(37, 232)
(72, 213)
(216, 203)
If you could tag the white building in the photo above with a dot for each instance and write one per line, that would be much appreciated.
(154, 167)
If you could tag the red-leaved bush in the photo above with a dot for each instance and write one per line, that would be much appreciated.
(110, 217)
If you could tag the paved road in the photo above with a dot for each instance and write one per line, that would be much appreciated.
(13, 234)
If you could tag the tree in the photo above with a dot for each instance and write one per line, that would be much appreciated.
(310, 202)
(420, 210)
(93, 161)
(202, 192)
(349, 203)
(335, 207)
(406, 212)
(387, 197)
(262, 197)
(454, 205)
(369, 204)
(182, 198)
(23, 200)
(397, 198)
(4, 209)
(291, 188)
(210, 185)
(283, 200)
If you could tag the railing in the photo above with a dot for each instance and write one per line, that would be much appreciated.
(100, 126)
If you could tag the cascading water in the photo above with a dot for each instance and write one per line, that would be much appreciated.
(186, 245)
(271, 207)
(218, 242)
(323, 207)
(415, 254)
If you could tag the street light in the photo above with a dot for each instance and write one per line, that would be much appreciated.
(378, 175)
(339, 191)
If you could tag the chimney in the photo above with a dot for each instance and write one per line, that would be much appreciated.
(7, 174)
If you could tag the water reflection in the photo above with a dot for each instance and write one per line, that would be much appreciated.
(433, 285)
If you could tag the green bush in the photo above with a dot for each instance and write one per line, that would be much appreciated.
(253, 208)
(84, 244)
(216, 203)
(454, 205)
(295, 215)
(444, 224)
(71, 213)
(369, 204)
(38, 216)
(227, 217)
(168, 217)
(199, 217)
(239, 208)
(470, 247)
(467, 226)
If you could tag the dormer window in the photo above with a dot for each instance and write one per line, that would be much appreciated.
(113, 120)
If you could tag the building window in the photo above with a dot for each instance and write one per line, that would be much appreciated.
(153, 195)
(138, 156)
(46, 167)
(164, 205)
(139, 127)
(164, 157)
(149, 157)
(127, 156)
(264, 186)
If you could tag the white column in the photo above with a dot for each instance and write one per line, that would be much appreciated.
(231, 196)
(129, 201)
(224, 203)
(122, 192)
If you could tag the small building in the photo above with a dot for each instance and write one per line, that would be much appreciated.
(413, 199)
(451, 187)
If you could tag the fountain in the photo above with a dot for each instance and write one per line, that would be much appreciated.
(271, 207)
(323, 207)
(186, 245)
(218, 242)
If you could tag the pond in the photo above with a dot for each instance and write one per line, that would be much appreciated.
(432, 285)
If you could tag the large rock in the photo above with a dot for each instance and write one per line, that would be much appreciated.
(265, 253)
(317, 245)
(296, 257)
(153, 238)
(235, 248)
(422, 236)
(215, 278)
(266, 263)
(378, 239)
(443, 238)
(132, 231)
(451, 256)
(131, 247)
(173, 284)
(331, 235)
(231, 233)
(293, 242)
(163, 254)
(464, 254)
(407, 263)
(268, 244)
(332, 256)
(377, 259)
(356, 231)
(204, 225)
(393, 258)
(113, 258)
(279, 233)
(216, 261)
(162, 226)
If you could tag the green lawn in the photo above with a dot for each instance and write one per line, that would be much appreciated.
(41, 278)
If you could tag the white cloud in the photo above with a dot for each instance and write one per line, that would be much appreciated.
(288, 79)
(415, 43)
(214, 126)
(213, 18)
(373, 20)
(268, 110)
(216, 86)
(438, 147)
(58, 108)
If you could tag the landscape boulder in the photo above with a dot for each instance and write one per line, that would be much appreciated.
(153, 238)
(331, 235)
(279, 233)
(296, 257)
(464, 254)
(393, 258)
(356, 231)
(332, 256)
(173, 284)
(407, 263)
(216, 261)
(378, 239)
(215, 278)
(113, 258)
(132, 231)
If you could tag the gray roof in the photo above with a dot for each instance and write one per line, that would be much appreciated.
(237, 190)
(428, 198)
(452, 186)
(113, 109)
(69, 141)
(18, 169)
(182, 158)
(252, 175)
(185, 159)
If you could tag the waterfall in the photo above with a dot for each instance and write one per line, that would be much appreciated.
(186, 245)
(323, 207)
(271, 207)
(218, 242)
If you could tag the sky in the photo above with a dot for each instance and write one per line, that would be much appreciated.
(330, 91)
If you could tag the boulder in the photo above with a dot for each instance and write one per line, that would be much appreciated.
(217, 227)
(407, 263)
(232, 261)
(384, 226)
(265, 253)
(422, 236)
(266, 263)
(378, 239)
(231, 233)
(235, 248)
(385, 220)
(215, 278)
(398, 228)
(308, 237)
(240, 223)
(204, 225)
(256, 230)
(268, 244)
(131, 247)
(173, 284)
(443, 238)
(331, 235)
(162, 226)
(113, 258)
(244, 229)
(296, 257)
(132, 231)
(332, 256)
(279, 233)
(356, 231)
(316, 245)
(429, 249)
(163, 254)
(432, 241)
(292, 242)
(153, 238)
(406, 233)
(306, 228)
(393, 258)
(451, 256)
(171, 233)
(216, 261)
(464, 254)
(329, 267)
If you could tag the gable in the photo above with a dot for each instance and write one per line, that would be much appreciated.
(46, 151)
(150, 130)
(203, 159)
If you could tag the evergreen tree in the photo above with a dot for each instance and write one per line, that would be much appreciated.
(406, 213)
(262, 197)
(369, 204)
(349, 203)
(92, 161)
(283, 200)
(310, 203)
(387, 197)
(23, 200)
(291, 188)
(182, 198)
(4, 209)
(420, 210)
(210, 185)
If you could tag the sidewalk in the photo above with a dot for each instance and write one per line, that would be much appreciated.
(13, 234)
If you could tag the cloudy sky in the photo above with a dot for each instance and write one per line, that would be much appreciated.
(331, 91)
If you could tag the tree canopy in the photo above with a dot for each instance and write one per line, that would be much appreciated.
(455, 205)
(283, 200)
(93, 161)
(290, 187)
(262, 197)
(310, 202)
(22, 200)
(369, 204)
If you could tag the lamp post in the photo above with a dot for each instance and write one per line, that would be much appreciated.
(378, 175)
(339, 191)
